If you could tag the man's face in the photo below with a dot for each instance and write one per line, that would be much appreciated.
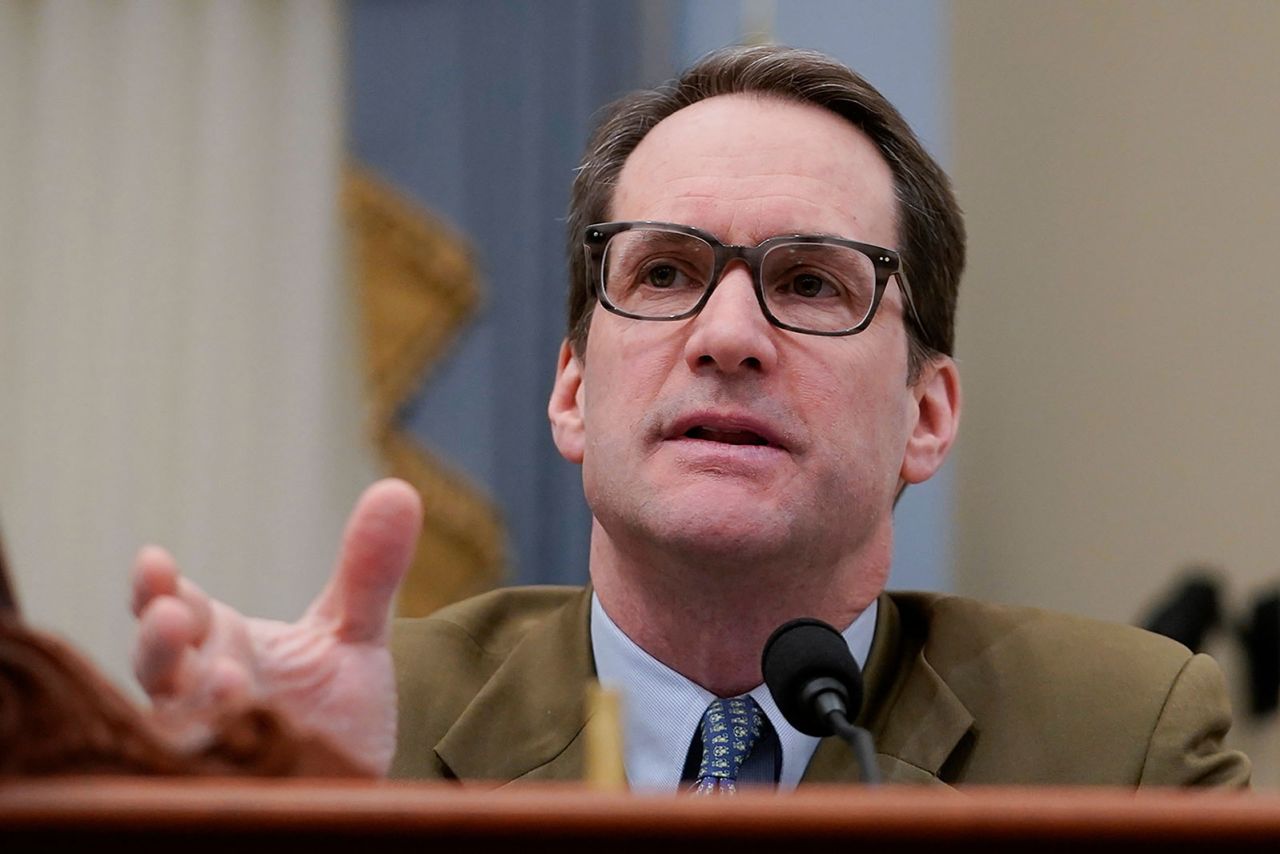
(668, 417)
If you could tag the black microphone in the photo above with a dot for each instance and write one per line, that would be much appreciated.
(817, 686)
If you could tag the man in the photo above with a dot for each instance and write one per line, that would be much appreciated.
(764, 269)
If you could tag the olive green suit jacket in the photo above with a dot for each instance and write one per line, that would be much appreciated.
(957, 692)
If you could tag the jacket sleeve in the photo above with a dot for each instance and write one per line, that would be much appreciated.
(1186, 746)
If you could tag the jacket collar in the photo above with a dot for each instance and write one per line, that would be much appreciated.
(917, 722)
(526, 723)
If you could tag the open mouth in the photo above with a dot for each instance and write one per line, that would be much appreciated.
(728, 429)
(727, 437)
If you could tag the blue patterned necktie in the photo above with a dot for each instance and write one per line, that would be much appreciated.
(729, 731)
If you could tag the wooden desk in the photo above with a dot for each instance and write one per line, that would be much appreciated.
(239, 815)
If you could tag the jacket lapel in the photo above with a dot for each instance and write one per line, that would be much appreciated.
(916, 720)
(526, 722)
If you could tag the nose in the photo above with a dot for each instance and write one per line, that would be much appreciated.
(731, 333)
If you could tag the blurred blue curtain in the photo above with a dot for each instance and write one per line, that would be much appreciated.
(478, 111)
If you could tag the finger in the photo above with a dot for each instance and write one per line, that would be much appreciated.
(189, 721)
(166, 629)
(229, 686)
(201, 610)
(377, 548)
(156, 574)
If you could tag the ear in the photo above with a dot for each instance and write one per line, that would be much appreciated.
(937, 417)
(565, 408)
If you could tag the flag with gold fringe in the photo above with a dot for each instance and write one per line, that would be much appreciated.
(416, 286)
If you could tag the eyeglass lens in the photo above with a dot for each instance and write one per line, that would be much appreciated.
(822, 287)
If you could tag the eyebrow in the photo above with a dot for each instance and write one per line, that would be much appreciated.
(655, 235)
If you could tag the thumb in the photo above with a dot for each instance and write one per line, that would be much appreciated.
(377, 549)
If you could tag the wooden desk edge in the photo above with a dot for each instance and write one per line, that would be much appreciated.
(318, 806)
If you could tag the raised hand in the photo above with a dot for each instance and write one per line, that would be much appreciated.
(329, 673)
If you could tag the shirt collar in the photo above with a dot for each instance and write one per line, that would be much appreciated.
(662, 709)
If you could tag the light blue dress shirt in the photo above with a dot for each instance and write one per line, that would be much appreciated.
(661, 709)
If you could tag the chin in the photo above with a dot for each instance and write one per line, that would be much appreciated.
(719, 538)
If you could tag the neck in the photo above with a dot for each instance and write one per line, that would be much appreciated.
(708, 619)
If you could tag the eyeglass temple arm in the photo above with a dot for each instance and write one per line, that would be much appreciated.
(909, 299)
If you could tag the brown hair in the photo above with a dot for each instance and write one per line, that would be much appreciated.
(931, 229)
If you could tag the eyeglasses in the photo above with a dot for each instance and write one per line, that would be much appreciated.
(816, 285)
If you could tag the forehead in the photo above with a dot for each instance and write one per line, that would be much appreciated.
(748, 167)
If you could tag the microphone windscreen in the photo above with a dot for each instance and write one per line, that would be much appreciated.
(796, 654)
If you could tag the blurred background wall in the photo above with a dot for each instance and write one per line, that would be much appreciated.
(177, 322)
(1118, 322)
(177, 359)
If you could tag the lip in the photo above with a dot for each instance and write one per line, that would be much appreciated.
(725, 422)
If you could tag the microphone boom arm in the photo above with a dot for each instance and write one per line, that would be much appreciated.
(828, 697)
(863, 749)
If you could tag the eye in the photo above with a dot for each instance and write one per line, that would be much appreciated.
(809, 286)
(661, 276)
(666, 274)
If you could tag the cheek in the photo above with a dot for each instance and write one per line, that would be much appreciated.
(627, 364)
(858, 414)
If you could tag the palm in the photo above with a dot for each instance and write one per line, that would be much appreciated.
(329, 674)
(326, 685)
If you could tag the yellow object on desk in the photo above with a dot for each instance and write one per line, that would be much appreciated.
(604, 768)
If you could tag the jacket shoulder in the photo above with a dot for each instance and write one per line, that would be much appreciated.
(1060, 698)
(958, 629)
(444, 660)
(490, 624)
